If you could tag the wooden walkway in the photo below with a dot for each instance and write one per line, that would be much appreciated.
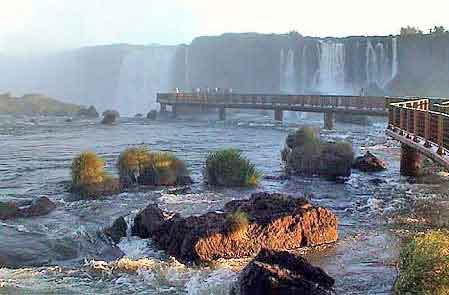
(421, 126)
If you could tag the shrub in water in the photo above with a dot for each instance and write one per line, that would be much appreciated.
(305, 154)
(424, 265)
(229, 168)
(87, 169)
(132, 163)
(237, 222)
(89, 178)
(166, 169)
(300, 137)
(139, 166)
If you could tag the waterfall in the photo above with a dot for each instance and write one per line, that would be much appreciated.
(394, 63)
(288, 73)
(331, 72)
(186, 69)
(371, 63)
(143, 73)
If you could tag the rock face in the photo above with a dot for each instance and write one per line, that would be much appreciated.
(369, 163)
(152, 115)
(274, 221)
(282, 273)
(38, 207)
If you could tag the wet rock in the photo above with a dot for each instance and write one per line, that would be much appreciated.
(38, 207)
(274, 221)
(138, 116)
(276, 177)
(369, 163)
(109, 117)
(282, 272)
(110, 186)
(306, 154)
(152, 115)
(8, 210)
(377, 181)
(117, 230)
(90, 112)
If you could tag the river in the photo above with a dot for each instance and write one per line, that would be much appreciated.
(54, 254)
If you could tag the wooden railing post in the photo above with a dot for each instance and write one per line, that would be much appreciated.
(440, 133)
(427, 129)
(401, 120)
(409, 125)
(415, 126)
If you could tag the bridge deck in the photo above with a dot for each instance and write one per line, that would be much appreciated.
(414, 124)
(363, 105)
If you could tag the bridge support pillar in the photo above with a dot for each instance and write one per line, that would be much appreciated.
(163, 108)
(329, 120)
(411, 161)
(174, 111)
(278, 115)
(222, 114)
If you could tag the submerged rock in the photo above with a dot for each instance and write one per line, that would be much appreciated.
(273, 221)
(282, 272)
(38, 207)
(117, 230)
(369, 163)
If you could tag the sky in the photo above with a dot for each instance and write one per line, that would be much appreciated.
(40, 25)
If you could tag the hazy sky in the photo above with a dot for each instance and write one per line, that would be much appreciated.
(36, 25)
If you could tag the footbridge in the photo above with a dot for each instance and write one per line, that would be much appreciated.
(326, 104)
(422, 127)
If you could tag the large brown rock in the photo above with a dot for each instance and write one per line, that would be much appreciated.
(282, 272)
(274, 221)
(369, 163)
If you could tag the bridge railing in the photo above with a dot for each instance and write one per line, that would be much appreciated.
(415, 120)
(322, 101)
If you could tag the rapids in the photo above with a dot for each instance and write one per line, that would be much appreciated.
(65, 252)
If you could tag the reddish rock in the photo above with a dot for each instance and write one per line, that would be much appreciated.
(369, 163)
(275, 221)
(282, 272)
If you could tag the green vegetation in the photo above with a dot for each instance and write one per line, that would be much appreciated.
(132, 164)
(424, 265)
(305, 135)
(89, 178)
(237, 222)
(139, 166)
(436, 30)
(229, 168)
(87, 169)
(305, 154)
(410, 31)
(35, 104)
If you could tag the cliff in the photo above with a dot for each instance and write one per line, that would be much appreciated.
(127, 77)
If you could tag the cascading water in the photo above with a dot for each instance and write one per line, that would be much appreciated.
(288, 73)
(331, 72)
(144, 72)
(394, 64)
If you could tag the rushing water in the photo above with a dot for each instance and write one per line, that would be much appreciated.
(63, 251)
